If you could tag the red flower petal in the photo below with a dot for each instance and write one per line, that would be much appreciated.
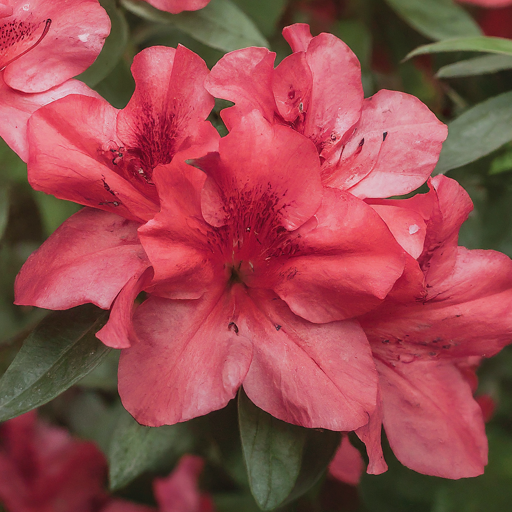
(346, 265)
(347, 465)
(176, 6)
(432, 422)
(317, 376)
(90, 258)
(17, 107)
(244, 77)
(393, 149)
(188, 360)
(76, 35)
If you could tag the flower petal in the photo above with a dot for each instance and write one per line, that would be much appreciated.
(168, 109)
(432, 422)
(347, 465)
(346, 264)
(392, 151)
(16, 108)
(116, 333)
(278, 164)
(187, 362)
(316, 376)
(75, 38)
(70, 157)
(90, 258)
(245, 78)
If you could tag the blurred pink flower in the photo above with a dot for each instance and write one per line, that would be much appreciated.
(377, 147)
(176, 6)
(347, 465)
(42, 469)
(46, 42)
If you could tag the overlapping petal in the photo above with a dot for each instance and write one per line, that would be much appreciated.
(177, 6)
(16, 108)
(97, 254)
(317, 376)
(191, 357)
(86, 151)
(432, 422)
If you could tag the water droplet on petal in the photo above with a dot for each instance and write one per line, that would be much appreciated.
(413, 229)
(406, 358)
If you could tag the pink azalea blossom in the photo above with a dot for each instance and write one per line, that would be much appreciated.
(377, 147)
(176, 6)
(424, 345)
(42, 469)
(84, 150)
(258, 270)
(43, 43)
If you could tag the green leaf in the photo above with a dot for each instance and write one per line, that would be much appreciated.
(476, 66)
(436, 19)
(502, 163)
(135, 449)
(265, 13)
(4, 210)
(476, 133)
(113, 48)
(283, 461)
(221, 24)
(60, 351)
(466, 44)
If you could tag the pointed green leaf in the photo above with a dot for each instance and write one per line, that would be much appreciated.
(135, 449)
(283, 461)
(436, 19)
(221, 24)
(476, 66)
(477, 132)
(466, 44)
(113, 48)
(60, 351)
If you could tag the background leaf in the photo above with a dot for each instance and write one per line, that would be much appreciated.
(477, 132)
(436, 19)
(221, 24)
(57, 354)
(272, 451)
(135, 449)
(476, 66)
(113, 48)
(466, 44)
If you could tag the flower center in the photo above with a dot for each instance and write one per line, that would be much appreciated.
(253, 234)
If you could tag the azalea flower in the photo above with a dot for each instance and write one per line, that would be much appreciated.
(46, 42)
(258, 270)
(84, 150)
(377, 147)
(347, 466)
(426, 346)
(176, 6)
